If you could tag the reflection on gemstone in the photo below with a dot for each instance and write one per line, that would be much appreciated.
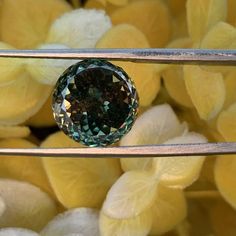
(95, 102)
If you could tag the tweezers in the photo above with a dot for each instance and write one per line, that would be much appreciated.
(153, 55)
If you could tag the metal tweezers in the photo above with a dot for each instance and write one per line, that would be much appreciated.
(160, 56)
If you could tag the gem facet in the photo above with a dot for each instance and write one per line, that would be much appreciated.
(95, 102)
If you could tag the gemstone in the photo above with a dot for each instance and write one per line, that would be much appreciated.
(95, 102)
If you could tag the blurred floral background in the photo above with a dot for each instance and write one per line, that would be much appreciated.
(178, 104)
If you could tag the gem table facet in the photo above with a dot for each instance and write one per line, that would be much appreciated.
(95, 102)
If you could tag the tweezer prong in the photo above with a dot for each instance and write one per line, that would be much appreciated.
(149, 55)
(131, 151)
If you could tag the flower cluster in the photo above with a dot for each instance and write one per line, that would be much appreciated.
(179, 104)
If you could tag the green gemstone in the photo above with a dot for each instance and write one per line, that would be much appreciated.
(95, 102)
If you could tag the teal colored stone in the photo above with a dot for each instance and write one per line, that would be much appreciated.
(95, 102)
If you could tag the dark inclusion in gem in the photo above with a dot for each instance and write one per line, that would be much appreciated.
(95, 102)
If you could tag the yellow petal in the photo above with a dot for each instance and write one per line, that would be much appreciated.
(139, 225)
(123, 35)
(184, 42)
(25, 23)
(206, 89)
(14, 131)
(21, 99)
(103, 2)
(226, 124)
(95, 4)
(26, 205)
(181, 171)
(169, 209)
(149, 16)
(225, 169)
(81, 28)
(23, 168)
(118, 2)
(221, 36)
(127, 36)
(230, 86)
(204, 14)
(81, 182)
(180, 27)
(108, 7)
(10, 68)
(154, 126)
(133, 193)
(175, 85)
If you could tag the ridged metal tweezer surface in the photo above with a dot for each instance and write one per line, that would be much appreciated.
(154, 55)
(149, 55)
(133, 151)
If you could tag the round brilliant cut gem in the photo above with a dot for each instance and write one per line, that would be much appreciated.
(95, 102)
